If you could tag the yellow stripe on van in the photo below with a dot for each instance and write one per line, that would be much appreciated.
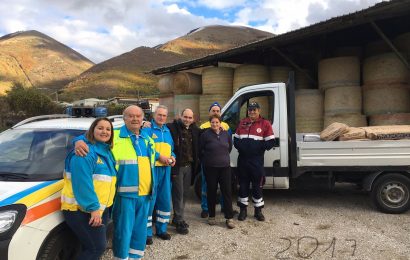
(41, 194)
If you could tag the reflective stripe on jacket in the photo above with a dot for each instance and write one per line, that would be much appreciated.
(89, 182)
(135, 163)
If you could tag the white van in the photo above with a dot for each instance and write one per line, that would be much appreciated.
(32, 155)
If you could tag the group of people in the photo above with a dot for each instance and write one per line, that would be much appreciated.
(135, 172)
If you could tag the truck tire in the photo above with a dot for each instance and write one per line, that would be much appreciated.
(63, 245)
(391, 193)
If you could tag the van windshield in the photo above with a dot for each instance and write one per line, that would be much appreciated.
(34, 154)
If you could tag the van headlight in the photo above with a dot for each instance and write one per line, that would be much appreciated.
(11, 217)
(7, 219)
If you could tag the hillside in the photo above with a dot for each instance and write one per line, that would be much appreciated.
(37, 60)
(121, 75)
(211, 39)
(125, 74)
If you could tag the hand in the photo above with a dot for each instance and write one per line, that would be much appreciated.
(163, 159)
(81, 148)
(146, 124)
(95, 220)
(173, 161)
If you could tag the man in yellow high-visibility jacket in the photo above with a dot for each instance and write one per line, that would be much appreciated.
(134, 153)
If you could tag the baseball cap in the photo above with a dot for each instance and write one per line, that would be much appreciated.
(253, 105)
(214, 104)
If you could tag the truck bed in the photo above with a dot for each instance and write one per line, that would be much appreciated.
(353, 153)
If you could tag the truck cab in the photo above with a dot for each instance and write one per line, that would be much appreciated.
(380, 167)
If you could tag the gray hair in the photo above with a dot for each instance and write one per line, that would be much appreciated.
(131, 107)
(161, 107)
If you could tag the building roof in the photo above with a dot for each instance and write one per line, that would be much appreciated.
(357, 28)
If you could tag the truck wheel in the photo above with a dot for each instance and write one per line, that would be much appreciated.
(63, 245)
(391, 193)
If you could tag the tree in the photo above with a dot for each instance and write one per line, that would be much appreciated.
(29, 101)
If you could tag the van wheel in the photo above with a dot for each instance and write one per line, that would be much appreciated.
(63, 245)
(391, 193)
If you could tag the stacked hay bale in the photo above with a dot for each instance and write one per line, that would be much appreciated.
(386, 90)
(251, 74)
(166, 96)
(339, 78)
(217, 85)
(179, 91)
(309, 110)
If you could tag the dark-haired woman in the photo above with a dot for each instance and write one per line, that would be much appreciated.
(89, 188)
(215, 146)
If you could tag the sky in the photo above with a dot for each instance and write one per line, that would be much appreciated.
(102, 29)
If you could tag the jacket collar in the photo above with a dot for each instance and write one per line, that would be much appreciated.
(156, 126)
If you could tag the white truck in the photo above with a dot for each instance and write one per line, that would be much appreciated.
(380, 167)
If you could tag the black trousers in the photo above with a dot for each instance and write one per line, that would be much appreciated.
(221, 176)
(93, 239)
(251, 171)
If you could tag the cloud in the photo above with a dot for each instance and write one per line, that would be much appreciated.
(102, 29)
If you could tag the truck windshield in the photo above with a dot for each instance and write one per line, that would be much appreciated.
(33, 154)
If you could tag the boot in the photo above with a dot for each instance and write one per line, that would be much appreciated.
(242, 214)
(258, 214)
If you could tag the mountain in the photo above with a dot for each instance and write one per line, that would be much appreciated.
(37, 60)
(126, 73)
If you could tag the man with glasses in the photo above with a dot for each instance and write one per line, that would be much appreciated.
(254, 136)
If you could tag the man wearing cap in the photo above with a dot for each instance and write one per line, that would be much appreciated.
(214, 109)
(254, 136)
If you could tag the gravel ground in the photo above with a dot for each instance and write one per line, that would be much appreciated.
(339, 224)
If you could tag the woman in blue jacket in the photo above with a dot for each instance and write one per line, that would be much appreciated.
(89, 188)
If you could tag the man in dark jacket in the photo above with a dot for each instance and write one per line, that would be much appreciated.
(254, 136)
(185, 135)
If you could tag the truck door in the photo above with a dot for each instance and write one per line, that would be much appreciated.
(237, 109)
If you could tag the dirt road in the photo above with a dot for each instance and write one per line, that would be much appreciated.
(338, 224)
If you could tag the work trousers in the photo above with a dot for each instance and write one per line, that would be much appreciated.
(161, 200)
(130, 226)
(204, 199)
(221, 176)
(180, 189)
(251, 171)
(93, 239)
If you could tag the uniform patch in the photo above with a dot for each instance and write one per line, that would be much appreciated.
(99, 161)
(259, 130)
(154, 136)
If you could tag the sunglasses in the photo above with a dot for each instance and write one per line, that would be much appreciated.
(252, 109)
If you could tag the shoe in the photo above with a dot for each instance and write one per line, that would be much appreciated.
(258, 214)
(204, 214)
(182, 228)
(149, 241)
(230, 224)
(185, 224)
(164, 236)
(242, 214)
(211, 221)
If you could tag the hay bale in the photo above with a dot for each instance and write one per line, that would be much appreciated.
(333, 131)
